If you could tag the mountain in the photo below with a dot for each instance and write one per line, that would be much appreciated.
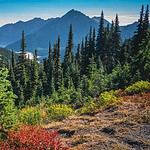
(10, 33)
(39, 32)
(5, 55)
(97, 19)
(59, 26)
(128, 31)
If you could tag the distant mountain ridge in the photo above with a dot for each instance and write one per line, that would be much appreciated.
(10, 33)
(39, 31)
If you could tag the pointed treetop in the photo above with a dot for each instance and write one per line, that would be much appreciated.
(35, 54)
(23, 42)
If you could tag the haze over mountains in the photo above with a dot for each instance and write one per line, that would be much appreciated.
(39, 31)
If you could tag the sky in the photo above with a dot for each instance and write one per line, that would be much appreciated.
(12, 11)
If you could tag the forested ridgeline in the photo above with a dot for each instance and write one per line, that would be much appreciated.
(103, 72)
(102, 62)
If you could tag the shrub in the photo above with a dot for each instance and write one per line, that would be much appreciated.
(30, 137)
(7, 108)
(59, 112)
(88, 108)
(68, 97)
(108, 98)
(120, 77)
(31, 116)
(138, 87)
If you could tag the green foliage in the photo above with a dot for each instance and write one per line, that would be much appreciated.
(30, 116)
(7, 97)
(59, 112)
(120, 77)
(97, 83)
(102, 62)
(109, 98)
(138, 87)
(92, 105)
(89, 107)
(67, 96)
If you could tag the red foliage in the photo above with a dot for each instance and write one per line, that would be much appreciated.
(32, 138)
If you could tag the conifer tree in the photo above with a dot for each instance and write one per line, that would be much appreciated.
(116, 41)
(146, 21)
(22, 56)
(68, 60)
(94, 43)
(13, 61)
(100, 37)
(84, 57)
(50, 71)
(57, 73)
(34, 77)
(78, 55)
(138, 37)
(7, 98)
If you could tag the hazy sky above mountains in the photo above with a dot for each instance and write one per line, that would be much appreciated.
(15, 10)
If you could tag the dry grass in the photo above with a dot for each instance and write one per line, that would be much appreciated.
(129, 121)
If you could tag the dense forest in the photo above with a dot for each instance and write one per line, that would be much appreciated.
(102, 62)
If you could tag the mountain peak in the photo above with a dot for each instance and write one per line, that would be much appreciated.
(74, 12)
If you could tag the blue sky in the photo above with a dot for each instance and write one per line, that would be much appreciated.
(14, 10)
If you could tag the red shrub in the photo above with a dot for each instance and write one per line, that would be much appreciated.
(32, 138)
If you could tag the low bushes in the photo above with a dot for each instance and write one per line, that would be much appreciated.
(88, 108)
(109, 98)
(37, 115)
(105, 99)
(32, 138)
(68, 97)
(59, 112)
(30, 116)
(138, 87)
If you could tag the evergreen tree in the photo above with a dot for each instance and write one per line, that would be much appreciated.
(22, 56)
(100, 38)
(84, 57)
(68, 60)
(13, 61)
(141, 62)
(7, 98)
(139, 43)
(138, 37)
(116, 45)
(146, 21)
(78, 55)
(93, 44)
(57, 73)
(34, 77)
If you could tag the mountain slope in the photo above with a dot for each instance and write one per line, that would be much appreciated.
(5, 56)
(48, 30)
(97, 19)
(10, 33)
(128, 31)
(59, 26)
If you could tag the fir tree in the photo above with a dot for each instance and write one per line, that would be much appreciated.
(116, 42)
(68, 60)
(57, 73)
(100, 37)
(22, 56)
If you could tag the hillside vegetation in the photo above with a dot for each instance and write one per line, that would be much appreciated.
(97, 98)
(124, 126)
